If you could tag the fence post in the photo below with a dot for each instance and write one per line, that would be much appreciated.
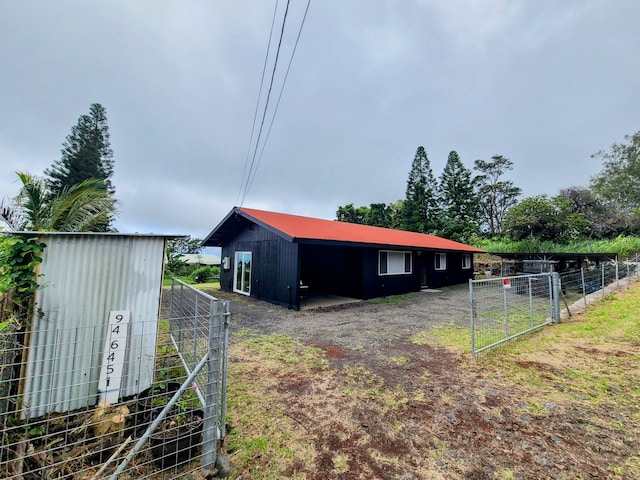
(603, 280)
(584, 287)
(195, 325)
(617, 275)
(555, 283)
(506, 311)
(473, 323)
(210, 425)
(530, 304)
(226, 307)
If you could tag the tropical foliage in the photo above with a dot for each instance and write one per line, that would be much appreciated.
(19, 257)
(467, 209)
(623, 246)
(178, 247)
(545, 218)
(495, 194)
(79, 208)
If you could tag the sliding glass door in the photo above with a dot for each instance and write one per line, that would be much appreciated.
(242, 282)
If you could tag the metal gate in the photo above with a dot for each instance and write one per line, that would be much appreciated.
(507, 307)
(199, 329)
(198, 334)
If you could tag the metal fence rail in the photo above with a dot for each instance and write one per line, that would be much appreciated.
(592, 283)
(507, 307)
(166, 431)
(193, 336)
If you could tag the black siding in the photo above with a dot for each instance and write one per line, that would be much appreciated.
(274, 269)
(334, 270)
(376, 285)
(454, 274)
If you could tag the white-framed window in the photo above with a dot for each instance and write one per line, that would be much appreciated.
(394, 263)
(441, 261)
(466, 261)
(242, 273)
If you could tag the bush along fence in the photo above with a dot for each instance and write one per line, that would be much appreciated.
(169, 430)
(504, 308)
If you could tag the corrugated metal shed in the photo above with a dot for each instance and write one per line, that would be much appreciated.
(84, 277)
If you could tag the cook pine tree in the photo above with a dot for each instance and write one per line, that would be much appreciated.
(458, 200)
(421, 212)
(86, 154)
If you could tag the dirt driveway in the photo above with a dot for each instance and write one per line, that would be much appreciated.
(427, 412)
(368, 324)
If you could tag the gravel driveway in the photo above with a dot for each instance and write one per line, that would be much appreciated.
(370, 323)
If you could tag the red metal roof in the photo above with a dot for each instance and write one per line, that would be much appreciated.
(307, 228)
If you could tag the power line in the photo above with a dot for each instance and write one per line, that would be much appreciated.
(252, 172)
(250, 176)
(266, 105)
(279, 96)
(255, 114)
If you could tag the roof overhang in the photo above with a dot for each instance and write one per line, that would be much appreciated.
(335, 243)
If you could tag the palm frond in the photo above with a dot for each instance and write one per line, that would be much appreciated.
(82, 207)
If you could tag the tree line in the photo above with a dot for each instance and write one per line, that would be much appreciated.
(466, 205)
(456, 205)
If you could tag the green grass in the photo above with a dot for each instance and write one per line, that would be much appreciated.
(452, 336)
(261, 428)
(623, 246)
(392, 299)
(591, 359)
(287, 350)
(167, 281)
(593, 354)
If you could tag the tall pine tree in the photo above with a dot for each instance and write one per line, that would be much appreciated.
(458, 200)
(86, 154)
(421, 212)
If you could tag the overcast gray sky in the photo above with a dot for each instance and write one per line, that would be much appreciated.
(545, 83)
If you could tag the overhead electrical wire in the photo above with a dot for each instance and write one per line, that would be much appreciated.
(264, 144)
(255, 114)
(266, 106)
(249, 176)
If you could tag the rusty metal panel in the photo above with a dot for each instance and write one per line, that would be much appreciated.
(83, 278)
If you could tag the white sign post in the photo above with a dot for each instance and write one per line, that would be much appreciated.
(113, 356)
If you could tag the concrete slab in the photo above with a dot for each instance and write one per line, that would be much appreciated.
(319, 300)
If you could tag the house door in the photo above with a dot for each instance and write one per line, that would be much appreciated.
(242, 273)
(424, 272)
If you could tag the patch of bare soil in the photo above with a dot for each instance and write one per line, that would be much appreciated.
(449, 419)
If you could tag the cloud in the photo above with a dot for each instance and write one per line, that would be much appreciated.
(543, 83)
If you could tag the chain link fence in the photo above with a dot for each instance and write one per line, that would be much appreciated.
(167, 431)
(506, 307)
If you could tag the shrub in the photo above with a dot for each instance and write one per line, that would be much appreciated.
(205, 274)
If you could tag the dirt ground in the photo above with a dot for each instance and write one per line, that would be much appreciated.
(458, 420)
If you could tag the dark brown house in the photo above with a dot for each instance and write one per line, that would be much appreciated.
(274, 256)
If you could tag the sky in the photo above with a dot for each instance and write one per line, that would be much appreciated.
(545, 83)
